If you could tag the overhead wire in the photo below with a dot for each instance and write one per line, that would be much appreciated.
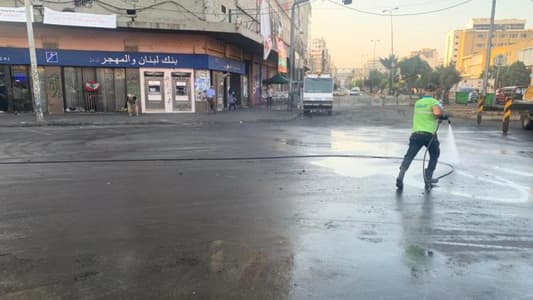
(400, 14)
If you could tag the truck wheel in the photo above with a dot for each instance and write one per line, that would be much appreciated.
(330, 112)
(526, 121)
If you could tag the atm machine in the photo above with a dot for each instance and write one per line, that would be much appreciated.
(182, 91)
(154, 89)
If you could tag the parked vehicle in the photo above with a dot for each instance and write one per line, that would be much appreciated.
(515, 92)
(500, 96)
(526, 113)
(355, 91)
(318, 93)
(340, 92)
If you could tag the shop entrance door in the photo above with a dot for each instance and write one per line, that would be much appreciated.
(154, 89)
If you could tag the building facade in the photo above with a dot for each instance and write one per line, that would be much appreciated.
(467, 42)
(429, 55)
(166, 53)
(473, 65)
(344, 77)
(320, 56)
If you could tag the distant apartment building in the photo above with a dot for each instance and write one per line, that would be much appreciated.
(473, 40)
(320, 56)
(431, 56)
(473, 65)
(374, 65)
(344, 77)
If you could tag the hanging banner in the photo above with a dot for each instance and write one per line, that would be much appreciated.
(79, 19)
(282, 56)
(13, 14)
(265, 28)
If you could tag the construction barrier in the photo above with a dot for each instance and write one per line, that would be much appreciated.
(480, 108)
(507, 114)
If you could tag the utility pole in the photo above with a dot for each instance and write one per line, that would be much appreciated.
(292, 54)
(393, 65)
(489, 50)
(374, 57)
(35, 82)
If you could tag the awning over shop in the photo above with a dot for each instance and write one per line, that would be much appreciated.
(276, 79)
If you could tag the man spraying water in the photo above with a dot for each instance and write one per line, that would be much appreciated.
(427, 112)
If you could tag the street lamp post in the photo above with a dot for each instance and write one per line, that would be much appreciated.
(390, 11)
(374, 57)
(292, 54)
(33, 62)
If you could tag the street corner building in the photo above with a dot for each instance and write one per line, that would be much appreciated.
(92, 54)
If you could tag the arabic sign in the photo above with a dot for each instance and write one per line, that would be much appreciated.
(222, 64)
(282, 56)
(138, 60)
(109, 59)
(265, 28)
(79, 19)
(13, 14)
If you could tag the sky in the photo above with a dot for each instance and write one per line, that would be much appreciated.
(349, 33)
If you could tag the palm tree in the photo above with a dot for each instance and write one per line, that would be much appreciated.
(390, 63)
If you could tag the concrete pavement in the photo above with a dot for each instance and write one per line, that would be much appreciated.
(128, 212)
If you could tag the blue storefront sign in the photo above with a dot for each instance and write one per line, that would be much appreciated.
(107, 59)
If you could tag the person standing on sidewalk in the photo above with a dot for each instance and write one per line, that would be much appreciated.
(270, 95)
(131, 101)
(210, 94)
(427, 112)
(232, 101)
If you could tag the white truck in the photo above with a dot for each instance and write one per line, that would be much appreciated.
(318, 93)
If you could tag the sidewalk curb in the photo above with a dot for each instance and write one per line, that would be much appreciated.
(144, 123)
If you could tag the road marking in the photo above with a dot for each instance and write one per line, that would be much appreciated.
(506, 170)
(35, 131)
(484, 246)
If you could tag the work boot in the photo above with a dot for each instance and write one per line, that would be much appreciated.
(399, 179)
(428, 177)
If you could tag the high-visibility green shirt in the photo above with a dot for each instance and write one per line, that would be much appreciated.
(423, 119)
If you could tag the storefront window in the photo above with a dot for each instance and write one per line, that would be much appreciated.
(3, 90)
(21, 88)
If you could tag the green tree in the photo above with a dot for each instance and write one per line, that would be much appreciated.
(390, 63)
(515, 74)
(375, 80)
(447, 78)
(415, 72)
(358, 82)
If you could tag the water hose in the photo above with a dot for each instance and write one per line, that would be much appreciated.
(200, 159)
(452, 169)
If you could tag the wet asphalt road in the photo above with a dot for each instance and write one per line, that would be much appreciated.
(121, 218)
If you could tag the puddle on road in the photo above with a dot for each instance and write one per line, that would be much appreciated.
(463, 183)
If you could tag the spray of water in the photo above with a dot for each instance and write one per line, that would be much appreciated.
(453, 154)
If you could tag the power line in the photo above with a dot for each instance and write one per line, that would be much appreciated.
(403, 14)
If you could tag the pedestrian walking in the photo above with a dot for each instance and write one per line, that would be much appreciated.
(210, 94)
(131, 102)
(232, 101)
(270, 94)
(427, 112)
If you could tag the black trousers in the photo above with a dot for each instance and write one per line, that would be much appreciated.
(416, 141)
